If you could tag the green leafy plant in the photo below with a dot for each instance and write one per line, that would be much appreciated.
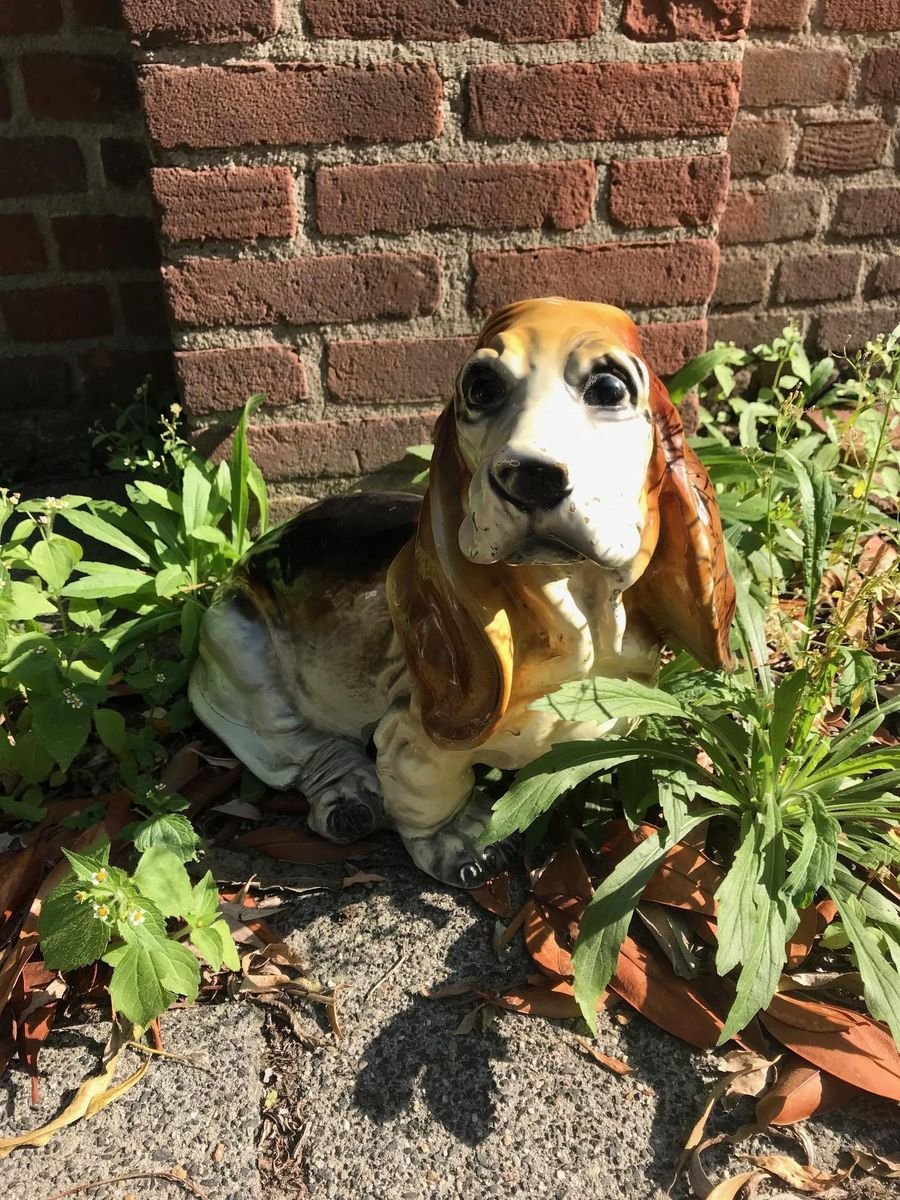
(102, 912)
(797, 813)
(78, 626)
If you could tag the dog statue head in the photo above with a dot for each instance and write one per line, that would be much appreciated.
(560, 447)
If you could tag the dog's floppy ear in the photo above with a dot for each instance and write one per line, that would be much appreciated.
(686, 590)
(450, 614)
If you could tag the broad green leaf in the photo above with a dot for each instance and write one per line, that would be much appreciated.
(204, 899)
(70, 933)
(31, 759)
(136, 988)
(209, 534)
(104, 531)
(106, 581)
(750, 620)
(601, 699)
(881, 980)
(191, 616)
(216, 945)
(61, 723)
(111, 729)
(862, 764)
(170, 580)
(86, 866)
(170, 830)
(159, 495)
(607, 917)
(22, 601)
(257, 485)
(814, 865)
(537, 786)
(161, 877)
(54, 558)
(195, 496)
(816, 512)
(179, 971)
(786, 703)
(736, 899)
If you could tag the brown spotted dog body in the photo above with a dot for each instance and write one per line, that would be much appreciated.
(374, 649)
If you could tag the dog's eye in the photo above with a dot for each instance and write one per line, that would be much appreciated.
(605, 390)
(483, 388)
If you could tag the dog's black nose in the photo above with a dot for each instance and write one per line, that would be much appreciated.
(532, 483)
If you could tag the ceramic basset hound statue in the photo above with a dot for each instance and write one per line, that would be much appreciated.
(373, 649)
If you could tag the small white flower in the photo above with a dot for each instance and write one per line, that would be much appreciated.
(102, 912)
(160, 677)
(42, 520)
(137, 917)
(80, 897)
(100, 877)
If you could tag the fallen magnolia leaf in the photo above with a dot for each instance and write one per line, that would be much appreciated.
(494, 896)
(687, 1008)
(547, 1000)
(671, 932)
(807, 1179)
(801, 1091)
(845, 1043)
(301, 845)
(93, 1095)
(560, 891)
(242, 809)
(801, 942)
(365, 878)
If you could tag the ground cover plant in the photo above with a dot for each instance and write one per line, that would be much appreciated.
(730, 869)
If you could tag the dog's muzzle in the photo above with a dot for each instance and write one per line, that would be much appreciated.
(531, 484)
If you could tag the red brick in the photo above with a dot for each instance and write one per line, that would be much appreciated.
(881, 74)
(403, 197)
(40, 166)
(385, 372)
(29, 16)
(288, 104)
(144, 308)
(645, 274)
(303, 291)
(34, 382)
(438, 21)
(21, 246)
(161, 21)
(215, 380)
(861, 16)
(795, 77)
(699, 21)
(746, 330)
(77, 87)
(56, 314)
(852, 328)
(770, 216)
(741, 281)
(242, 203)
(779, 14)
(759, 147)
(886, 279)
(842, 146)
(125, 163)
(668, 346)
(602, 100)
(310, 449)
(868, 212)
(665, 192)
(105, 243)
(818, 277)
(98, 14)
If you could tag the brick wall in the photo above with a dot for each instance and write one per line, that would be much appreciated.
(346, 187)
(343, 188)
(812, 226)
(82, 315)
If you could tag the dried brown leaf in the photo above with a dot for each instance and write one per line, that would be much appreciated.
(845, 1043)
(801, 1091)
(616, 1065)
(730, 1189)
(807, 1179)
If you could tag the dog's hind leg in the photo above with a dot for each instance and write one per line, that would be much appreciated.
(238, 689)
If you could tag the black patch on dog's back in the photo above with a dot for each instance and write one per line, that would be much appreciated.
(353, 536)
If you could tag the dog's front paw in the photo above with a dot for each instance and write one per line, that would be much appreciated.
(350, 808)
(455, 857)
